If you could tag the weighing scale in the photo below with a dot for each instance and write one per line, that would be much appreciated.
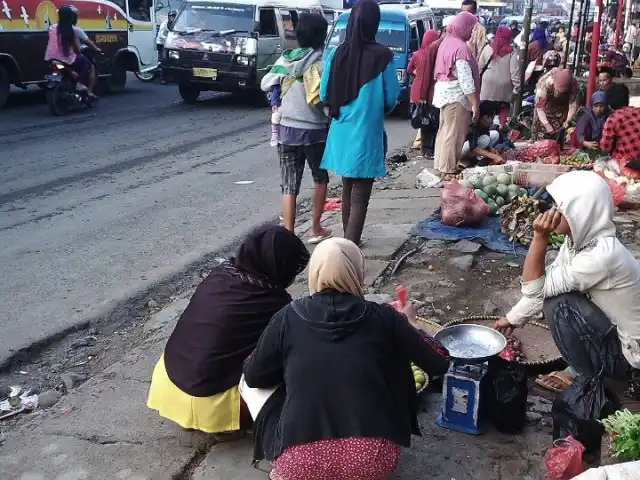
(470, 348)
(462, 389)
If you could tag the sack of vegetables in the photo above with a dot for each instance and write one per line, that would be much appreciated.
(462, 207)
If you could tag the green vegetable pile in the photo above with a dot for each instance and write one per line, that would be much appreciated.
(624, 429)
(556, 240)
(496, 191)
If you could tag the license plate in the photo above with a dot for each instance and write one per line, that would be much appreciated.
(52, 78)
(211, 73)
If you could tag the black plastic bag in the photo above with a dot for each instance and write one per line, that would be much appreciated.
(423, 116)
(578, 411)
(508, 392)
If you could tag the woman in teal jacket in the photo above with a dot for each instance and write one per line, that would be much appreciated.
(359, 86)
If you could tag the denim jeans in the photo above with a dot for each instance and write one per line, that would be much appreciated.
(586, 338)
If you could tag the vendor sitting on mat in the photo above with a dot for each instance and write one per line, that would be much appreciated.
(480, 147)
(590, 294)
(195, 383)
(589, 127)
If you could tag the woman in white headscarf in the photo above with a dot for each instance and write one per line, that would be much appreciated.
(345, 365)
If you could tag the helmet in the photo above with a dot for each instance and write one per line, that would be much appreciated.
(172, 13)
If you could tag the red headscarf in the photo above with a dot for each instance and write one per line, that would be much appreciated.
(454, 47)
(501, 44)
(421, 68)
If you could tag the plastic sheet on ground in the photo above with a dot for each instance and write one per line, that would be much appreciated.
(488, 234)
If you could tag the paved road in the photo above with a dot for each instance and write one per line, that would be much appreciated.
(103, 203)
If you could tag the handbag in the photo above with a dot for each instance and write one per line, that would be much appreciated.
(423, 116)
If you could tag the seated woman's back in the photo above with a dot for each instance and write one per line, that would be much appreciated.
(345, 362)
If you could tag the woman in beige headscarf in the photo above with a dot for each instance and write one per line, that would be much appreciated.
(345, 365)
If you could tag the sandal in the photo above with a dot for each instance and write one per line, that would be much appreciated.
(561, 377)
(315, 240)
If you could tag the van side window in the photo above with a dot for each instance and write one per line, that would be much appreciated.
(140, 10)
(289, 21)
(414, 43)
(268, 22)
(421, 29)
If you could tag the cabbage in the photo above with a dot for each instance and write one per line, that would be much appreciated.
(504, 179)
(502, 189)
(489, 180)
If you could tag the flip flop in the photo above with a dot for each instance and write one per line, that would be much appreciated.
(561, 377)
(319, 238)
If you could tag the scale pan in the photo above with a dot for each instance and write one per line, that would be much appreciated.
(471, 343)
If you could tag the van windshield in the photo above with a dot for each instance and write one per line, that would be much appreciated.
(214, 17)
(391, 34)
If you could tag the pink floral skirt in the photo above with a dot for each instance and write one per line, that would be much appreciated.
(339, 459)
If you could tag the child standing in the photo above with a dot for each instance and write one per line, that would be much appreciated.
(276, 116)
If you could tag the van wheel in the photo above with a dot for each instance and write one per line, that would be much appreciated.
(5, 86)
(118, 78)
(189, 93)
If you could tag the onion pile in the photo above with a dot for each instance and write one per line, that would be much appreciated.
(513, 352)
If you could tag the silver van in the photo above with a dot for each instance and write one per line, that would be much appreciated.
(229, 45)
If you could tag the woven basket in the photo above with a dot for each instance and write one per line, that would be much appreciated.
(429, 326)
(537, 342)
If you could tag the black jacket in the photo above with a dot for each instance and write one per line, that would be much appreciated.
(345, 363)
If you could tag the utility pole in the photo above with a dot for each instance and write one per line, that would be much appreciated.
(619, 22)
(576, 51)
(526, 29)
(595, 47)
(569, 28)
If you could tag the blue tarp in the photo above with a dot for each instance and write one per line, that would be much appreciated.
(488, 234)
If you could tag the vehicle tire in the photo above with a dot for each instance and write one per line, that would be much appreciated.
(118, 78)
(189, 93)
(146, 77)
(56, 103)
(5, 86)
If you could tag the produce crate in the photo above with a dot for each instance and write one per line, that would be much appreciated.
(537, 174)
(492, 169)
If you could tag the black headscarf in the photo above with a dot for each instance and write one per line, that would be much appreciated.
(359, 59)
(229, 311)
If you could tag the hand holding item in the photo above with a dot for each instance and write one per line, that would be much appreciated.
(503, 326)
(548, 128)
(593, 144)
(475, 113)
(547, 222)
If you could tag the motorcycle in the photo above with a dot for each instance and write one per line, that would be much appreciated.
(62, 89)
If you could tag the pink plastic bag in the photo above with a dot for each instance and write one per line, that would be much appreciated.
(461, 207)
(332, 204)
(401, 298)
(564, 459)
(618, 190)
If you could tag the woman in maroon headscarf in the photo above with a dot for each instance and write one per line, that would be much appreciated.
(556, 103)
(498, 64)
(421, 68)
(456, 92)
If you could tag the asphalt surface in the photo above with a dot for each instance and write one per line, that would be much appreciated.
(103, 203)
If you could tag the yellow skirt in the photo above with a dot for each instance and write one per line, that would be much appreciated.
(215, 414)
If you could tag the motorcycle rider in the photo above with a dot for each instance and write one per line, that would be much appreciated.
(64, 45)
(163, 31)
(84, 39)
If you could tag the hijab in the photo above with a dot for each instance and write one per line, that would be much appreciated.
(454, 47)
(230, 309)
(359, 59)
(337, 264)
(540, 35)
(501, 44)
(562, 80)
(590, 122)
(424, 64)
